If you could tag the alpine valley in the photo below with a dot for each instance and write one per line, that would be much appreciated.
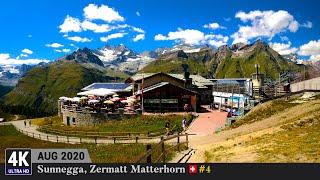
(37, 88)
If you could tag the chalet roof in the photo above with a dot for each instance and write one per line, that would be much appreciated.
(197, 80)
(161, 84)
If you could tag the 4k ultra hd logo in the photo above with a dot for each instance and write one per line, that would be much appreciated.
(18, 162)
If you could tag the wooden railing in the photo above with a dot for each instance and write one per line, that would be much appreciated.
(47, 129)
(160, 147)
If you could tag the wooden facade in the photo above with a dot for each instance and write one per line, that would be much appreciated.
(169, 98)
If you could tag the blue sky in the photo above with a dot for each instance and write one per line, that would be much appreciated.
(29, 29)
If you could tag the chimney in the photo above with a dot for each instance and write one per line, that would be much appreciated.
(188, 80)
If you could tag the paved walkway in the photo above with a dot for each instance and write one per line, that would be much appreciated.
(208, 122)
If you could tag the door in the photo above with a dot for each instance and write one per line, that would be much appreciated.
(68, 121)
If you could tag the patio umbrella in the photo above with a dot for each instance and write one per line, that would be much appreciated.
(108, 102)
(83, 98)
(115, 95)
(124, 101)
(75, 99)
(62, 98)
(115, 99)
(93, 101)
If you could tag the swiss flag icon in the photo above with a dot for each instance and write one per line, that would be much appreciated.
(192, 169)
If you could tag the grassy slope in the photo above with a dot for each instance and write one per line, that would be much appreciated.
(37, 92)
(143, 124)
(270, 63)
(244, 66)
(174, 66)
(120, 153)
(295, 139)
(4, 90)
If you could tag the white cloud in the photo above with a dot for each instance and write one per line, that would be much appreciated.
(27, 51)
(264, 24)
(136, 29)
(112, 36)
(283, 48)
(138, 13)
(312, 49)
(70, 24)
(284, 38)
(62, 50)
(5, 59)
(307, 24)
(66, 50)
(29, 36)
(194, 37)
(54, 45)
(4, 56)
(188, 36)
(216, 40)
(87, 25)
(315, 57)
(160, 37)
(138, 37)
(105, 13)
(213, 26)
(79, 39)
(22, 55)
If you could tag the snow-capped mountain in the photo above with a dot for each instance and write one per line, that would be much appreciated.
(10, 74)
(291, 57)
(122, 58)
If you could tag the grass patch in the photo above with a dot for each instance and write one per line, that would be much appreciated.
(265, 110)
(297, 140)
(142, 124)
(109, 153)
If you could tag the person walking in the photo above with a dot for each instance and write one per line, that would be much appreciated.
(29, 123)
(184, 124)
(25, 123)
(167, 126)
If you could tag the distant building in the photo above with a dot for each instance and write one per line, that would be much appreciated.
(232, 93)
(184, 88)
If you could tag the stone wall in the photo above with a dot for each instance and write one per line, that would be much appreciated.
(88, 118)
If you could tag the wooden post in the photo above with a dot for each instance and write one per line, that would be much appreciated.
(47, 138)
(149, 156)
(178, 142)
(136, 139)
(57, 139)
(33, 135)
(95, 140)
(114, 140)
(163, 150)
(187, 140)
(80, 139)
